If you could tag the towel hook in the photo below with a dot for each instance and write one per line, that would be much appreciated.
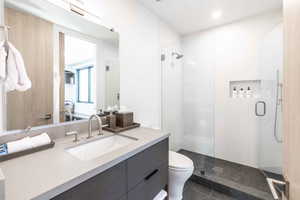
(6, 33)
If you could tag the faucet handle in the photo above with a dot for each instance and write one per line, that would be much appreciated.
(75, 133)
(27, 130)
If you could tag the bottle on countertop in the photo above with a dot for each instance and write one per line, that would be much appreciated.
(112, 120)
(234, 93)
(242, 93)
(249, 92)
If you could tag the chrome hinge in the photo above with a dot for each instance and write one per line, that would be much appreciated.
(163, 57)
(283, 190)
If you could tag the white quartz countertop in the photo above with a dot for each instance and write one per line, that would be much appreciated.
(44, 175)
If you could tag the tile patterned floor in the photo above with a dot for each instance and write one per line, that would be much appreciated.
(194, 191)
(232, 175)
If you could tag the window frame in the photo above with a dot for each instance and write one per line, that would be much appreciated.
(89, 68)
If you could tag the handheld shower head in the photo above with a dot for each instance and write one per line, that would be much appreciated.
(177, 55)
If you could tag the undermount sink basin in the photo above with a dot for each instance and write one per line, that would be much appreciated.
(99, 147)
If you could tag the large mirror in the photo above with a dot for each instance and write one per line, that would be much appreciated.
(71, 60)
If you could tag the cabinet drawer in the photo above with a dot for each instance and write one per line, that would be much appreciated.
(142, 164)
(151, 185)
(109, 185)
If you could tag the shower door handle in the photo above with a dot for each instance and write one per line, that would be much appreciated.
(257, 113)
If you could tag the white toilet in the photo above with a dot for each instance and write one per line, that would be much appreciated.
(180, 170)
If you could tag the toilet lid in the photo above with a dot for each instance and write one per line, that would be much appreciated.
(179, 161)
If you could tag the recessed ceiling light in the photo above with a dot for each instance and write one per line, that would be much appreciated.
(217, 14)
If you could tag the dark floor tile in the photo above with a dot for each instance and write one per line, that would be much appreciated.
(194, 191)
(191, 195)
(239, 177)
(197, 188)
(220, 196)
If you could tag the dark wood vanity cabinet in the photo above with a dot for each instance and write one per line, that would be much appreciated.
(140, 177)
(110, 184)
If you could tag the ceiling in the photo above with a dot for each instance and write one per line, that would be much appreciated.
(188, 16)
(74, 48)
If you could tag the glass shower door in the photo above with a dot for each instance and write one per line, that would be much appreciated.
(269, 105)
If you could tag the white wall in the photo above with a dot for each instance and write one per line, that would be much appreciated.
(214, 123)
(141, 36)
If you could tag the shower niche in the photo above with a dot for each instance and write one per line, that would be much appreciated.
(245, 89)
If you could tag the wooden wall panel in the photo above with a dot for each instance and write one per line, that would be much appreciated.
(33, 37)
(292, 96)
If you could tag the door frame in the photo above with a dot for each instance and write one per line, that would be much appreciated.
(291, 97)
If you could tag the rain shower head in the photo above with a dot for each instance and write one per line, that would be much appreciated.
(177, 55)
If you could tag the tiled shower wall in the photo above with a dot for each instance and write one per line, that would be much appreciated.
(214, 123)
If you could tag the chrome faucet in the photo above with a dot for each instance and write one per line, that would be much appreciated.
(90, 125)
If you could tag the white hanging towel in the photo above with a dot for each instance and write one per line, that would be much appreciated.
(3, 56)
(161, 196)
(16, 76)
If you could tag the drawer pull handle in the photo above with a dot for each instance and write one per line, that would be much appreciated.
(150, 175)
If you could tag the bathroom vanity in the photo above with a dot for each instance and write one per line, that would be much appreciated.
(142, 176)
(136, 171)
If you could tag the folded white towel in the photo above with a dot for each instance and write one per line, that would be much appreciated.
(161, 196)
(40, 140)
(28, 143)
(19, 145)
(16, 77)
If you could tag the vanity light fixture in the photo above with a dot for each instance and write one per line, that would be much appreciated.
(78, 7)
(217, 14)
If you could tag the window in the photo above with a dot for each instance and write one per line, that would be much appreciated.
(85, 85)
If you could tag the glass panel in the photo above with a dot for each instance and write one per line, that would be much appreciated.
(270, 132)
(198, 95)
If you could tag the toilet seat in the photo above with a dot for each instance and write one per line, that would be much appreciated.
(179, 162)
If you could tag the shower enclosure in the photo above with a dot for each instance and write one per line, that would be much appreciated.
(232, 103)
(232, 112)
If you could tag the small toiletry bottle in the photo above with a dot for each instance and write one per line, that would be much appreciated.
(112, 120)
(242, 93)
(249, 92)
(234, 92)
